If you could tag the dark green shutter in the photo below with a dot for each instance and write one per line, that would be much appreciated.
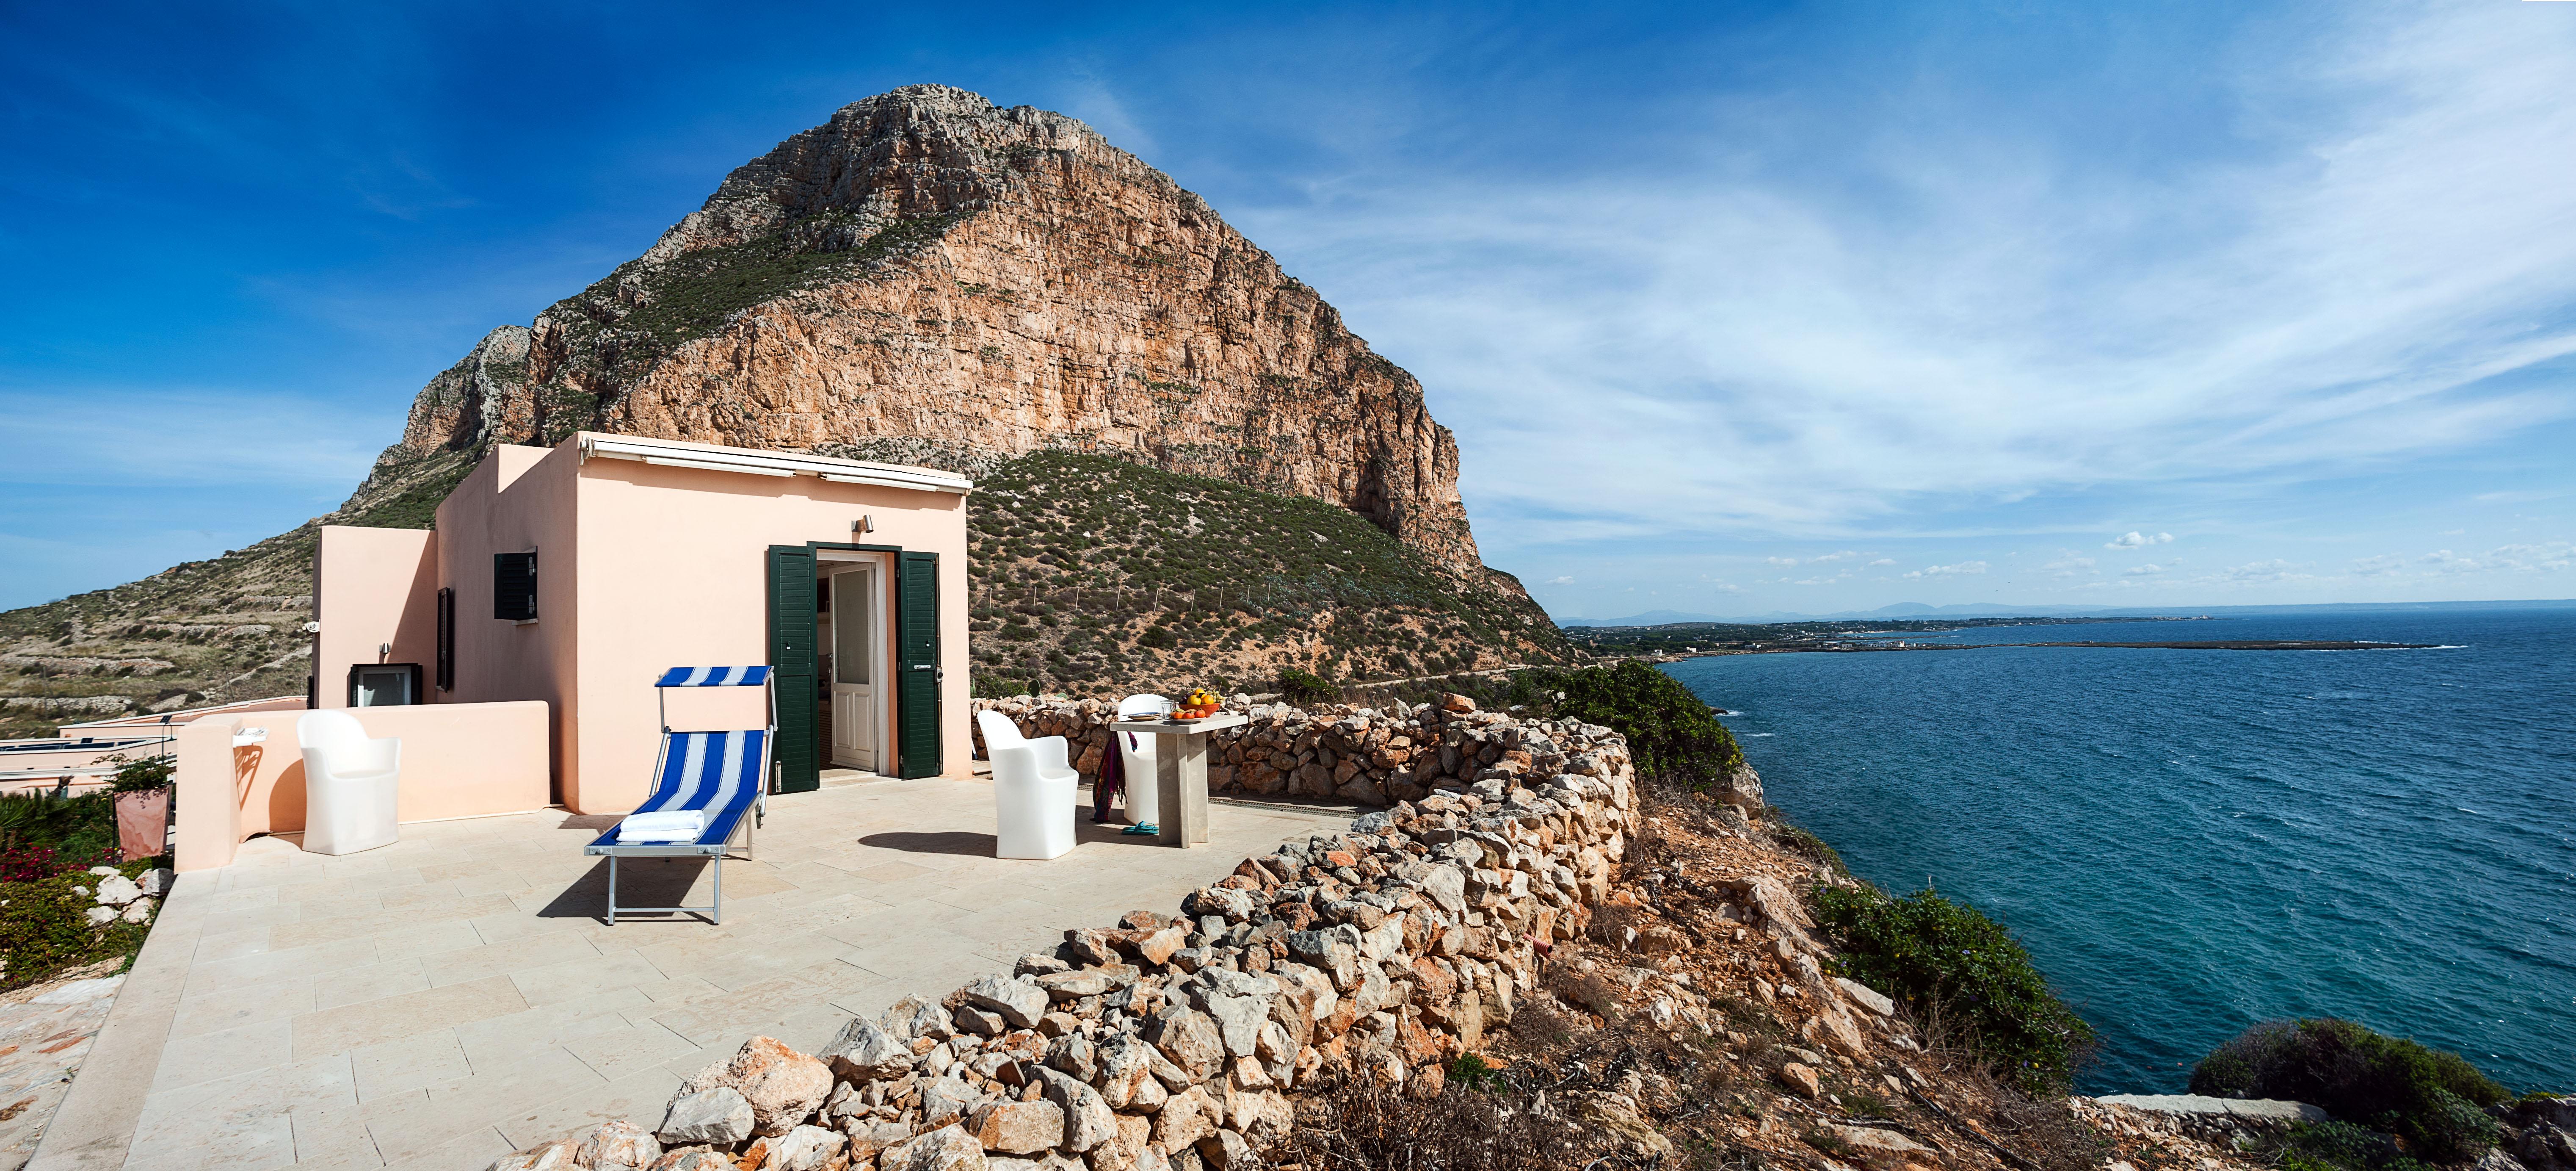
(917, 665)
(791, 651)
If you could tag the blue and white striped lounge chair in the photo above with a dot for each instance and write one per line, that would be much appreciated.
(725, 774)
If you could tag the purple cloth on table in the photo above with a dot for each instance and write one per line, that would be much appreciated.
(1112, 780)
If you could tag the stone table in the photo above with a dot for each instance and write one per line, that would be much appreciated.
(1180, 772)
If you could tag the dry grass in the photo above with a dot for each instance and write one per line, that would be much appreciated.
(1360, 1124)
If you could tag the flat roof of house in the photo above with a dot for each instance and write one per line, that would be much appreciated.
(716, 458)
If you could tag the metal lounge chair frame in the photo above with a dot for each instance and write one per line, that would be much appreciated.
(711, 786)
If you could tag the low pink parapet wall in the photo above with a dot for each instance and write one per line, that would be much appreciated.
(458, 760)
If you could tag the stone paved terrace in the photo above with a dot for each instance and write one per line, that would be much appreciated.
(453, 997)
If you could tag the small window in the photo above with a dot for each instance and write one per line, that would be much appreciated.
(446, 639)
(384, 684)
(514, 586)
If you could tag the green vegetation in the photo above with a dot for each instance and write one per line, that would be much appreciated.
(1797, 840)
(41, 834)
(1093, 575)
(1300, 685)
(45, 928)
(692, 294)
(2428, 1097)
(416, 507)
(2338, 1146)
(1672, 735)
(1948, 958)
(1470, 1072)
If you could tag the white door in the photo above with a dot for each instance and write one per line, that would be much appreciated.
(857, 614)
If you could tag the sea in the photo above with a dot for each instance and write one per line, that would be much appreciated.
(2191, 841)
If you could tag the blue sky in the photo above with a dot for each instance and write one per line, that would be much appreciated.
(1735, 308)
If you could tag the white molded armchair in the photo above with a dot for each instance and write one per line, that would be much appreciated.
(1144, 793)
(1033, 788)
(352, 784)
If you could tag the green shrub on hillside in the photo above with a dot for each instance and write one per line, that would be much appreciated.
(1299, 685)
(1672, 735)
(2430, 1098)
(2339, 1146)
(1092, 575)
(1945, 956)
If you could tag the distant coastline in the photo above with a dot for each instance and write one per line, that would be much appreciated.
(2185, 645)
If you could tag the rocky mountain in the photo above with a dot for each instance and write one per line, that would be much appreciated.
(932, 278)
(927, 278)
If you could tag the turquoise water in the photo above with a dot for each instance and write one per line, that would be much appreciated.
(2191, 841)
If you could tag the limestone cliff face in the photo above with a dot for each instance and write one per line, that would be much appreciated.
(932, 278)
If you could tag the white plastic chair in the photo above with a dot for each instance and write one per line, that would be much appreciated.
(1033, 788)
(1144, 796)
(352, 784)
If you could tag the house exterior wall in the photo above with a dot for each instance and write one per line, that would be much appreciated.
(640, 567)
(379, 586)
(519, 498)
(676, 560)
(458, 760)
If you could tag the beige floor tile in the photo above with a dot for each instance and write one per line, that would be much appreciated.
(412, 1063)
(218, 924)
(280, 963)
(584, 978)
(233, 1008)
(615, 1053)
(368, 982)
(332, 1136)
(208, 1057)
(339, 1030)
(495, 1044)
(467, 1152)
(409, 1125)
(424, 894)
(427, 939)
(382, 921)
(236, 1122)
(641, 1093)
(501, 959)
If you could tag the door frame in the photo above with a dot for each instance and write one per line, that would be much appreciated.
(880, 642)
(889, 749)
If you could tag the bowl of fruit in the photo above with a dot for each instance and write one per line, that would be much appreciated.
(1199, 705)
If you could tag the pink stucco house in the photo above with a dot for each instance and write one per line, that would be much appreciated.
(575, 575)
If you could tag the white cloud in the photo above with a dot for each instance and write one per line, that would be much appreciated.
(2146, 570)
(2525, 557)
(2327, 289)
(1964, 567)
(2137, 540)
(1560, 581)
(2070, 566)
(2261, 571)
(1781, 560)
(1884, 561)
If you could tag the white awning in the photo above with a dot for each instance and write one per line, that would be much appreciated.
(710, 457)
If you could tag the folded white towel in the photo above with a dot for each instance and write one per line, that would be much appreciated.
(679, 825)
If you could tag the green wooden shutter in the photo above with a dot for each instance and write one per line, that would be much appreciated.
(917, 665)
(791, 651)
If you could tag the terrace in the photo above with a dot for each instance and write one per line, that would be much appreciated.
(450, 998)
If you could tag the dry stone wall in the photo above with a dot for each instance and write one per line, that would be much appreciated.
(1368, 756)
(1169, 1042)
